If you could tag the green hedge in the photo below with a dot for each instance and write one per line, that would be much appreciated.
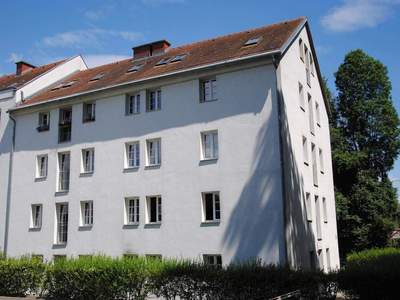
(20, 276)
(372, 274)
(102, 277)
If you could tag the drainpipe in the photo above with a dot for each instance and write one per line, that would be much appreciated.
(275, 62)
(10, 171)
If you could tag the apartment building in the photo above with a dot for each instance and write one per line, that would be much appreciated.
(218, 151)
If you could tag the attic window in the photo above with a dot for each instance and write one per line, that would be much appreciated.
(164, 61)
(58, 86)
(68, 84)
(97, 77)
(134, 68)
(177, 58)
(252, 41)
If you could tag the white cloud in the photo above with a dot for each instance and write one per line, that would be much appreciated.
(94, 60)
(352, 15)
(100, 13)
(14, 57)
(87, 38)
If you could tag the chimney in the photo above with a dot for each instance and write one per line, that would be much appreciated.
(150, 49)
(23, 67)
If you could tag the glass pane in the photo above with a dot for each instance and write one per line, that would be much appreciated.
(153, 209)
(208, 206)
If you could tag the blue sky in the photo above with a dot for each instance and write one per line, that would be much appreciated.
(103, 31)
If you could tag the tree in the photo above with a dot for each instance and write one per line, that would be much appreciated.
(365, 143)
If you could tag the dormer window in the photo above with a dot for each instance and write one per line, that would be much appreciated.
(252, 41)
(44, 121)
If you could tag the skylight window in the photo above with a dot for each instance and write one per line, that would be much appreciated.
(164, 61)
(68, 84)
(134, 68)
(58, 86)
(97, 77)
(177, 58)
(253, 41)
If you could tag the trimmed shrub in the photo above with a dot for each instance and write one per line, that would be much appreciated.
(371, 274)
(20, 276)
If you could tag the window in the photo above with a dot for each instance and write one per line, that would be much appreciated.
(314, 164)
(153, 209)
(324, 210)
(132, 155)
(131, 211)
(301, 49)
(153, 152)
(208, 90)
(86, 213)
(64, 125)
(134, 68)
(321, 161)
(62, 223)
(209, 145)
(318, 218)
(320, 259)
(312, 66)
(97, 77)
(58, 257)
(328, 260)
(305, 150)
(212, 260)
(311, 115)
(63, 171)
(177, 58)
(37, 257)
(89, 112)
(87, 161)
(129, 256)
(301, 97)
(41, 166)
(317, 114)
(308, 207)
(253, 41)
(36, 219)
(44, 121)
(132, 105)
(153, 101)
(154, 256)
(211, 207)
(307, 57)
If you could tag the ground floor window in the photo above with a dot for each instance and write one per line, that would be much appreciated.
(131, 211)
(211, 207)
(154, 209)
(86, 213)
(62, 223)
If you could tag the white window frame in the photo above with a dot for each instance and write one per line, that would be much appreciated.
(216, 207)
(214, 260)
(318, 217)
(44, 126)
(312, 65)
(87, 214)
(212, 136)
(311, 114)
(41, 169)
(61, 172)
(308, 205)
(87, 161)
(307, 61)
(158, 209)
(301, 49)
(61, 232)
(209, 84)
(132, 104)
(132, 155)
(314, 164)
(36, 216)
(328, 260)
(306, 156)
(317, 114)
(156, 96)
(132, 213)
(324, 210)
(89, 115)
(321, 161)
(302, 100)
(153, 159)
(320, 258)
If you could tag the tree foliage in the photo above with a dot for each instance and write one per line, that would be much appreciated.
(365, 143)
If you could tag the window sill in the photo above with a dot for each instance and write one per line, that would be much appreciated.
(61, 193)
(153, 225)
(154, 110)
(86, 227)
(130, 225)
(35, 228)
(132, 114)
(315, 185)
(306, 163)
(88, 121)
(319, 125)
(38, 179)
(322, 172)
(130, 169)
(326, 222)
(211, 100)
(153, 166)
(302, 108)
(59, 245)
(210, 223)
(86, 174)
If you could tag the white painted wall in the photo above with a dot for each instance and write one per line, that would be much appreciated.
(247, 174)
(300, 233)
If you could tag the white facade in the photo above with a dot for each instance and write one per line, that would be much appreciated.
(258, 173)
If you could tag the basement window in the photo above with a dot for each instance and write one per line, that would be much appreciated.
(252, 41)
(97, 77)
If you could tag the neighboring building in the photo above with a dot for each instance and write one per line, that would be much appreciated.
(27, 81)
(217, 150)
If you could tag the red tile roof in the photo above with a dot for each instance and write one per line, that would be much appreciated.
(215, 50)
(17, 81)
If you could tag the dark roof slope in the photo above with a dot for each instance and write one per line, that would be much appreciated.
(17, 81)
(219, 49)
